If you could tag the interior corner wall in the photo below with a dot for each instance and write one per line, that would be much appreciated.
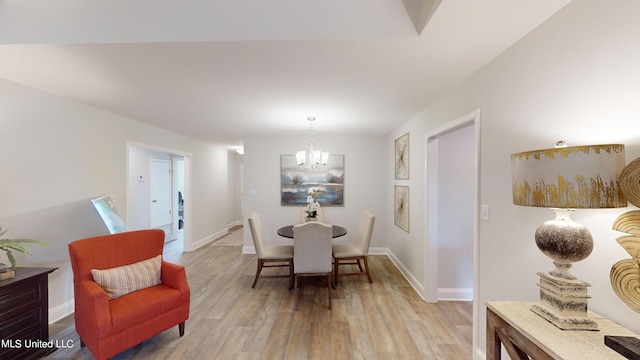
(234, 185)
(574, 78)
(59, 154)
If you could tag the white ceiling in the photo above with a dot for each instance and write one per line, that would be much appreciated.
(219, 70)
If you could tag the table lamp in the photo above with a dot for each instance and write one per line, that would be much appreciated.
(564, 179)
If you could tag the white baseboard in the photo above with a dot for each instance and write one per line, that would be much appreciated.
(202, 242)
(234, 223)
(446, 294)
(415, 284)
(61, 311)
(378, 251)
(249, 250)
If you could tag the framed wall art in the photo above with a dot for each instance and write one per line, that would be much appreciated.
(401, 207)
(402, 157)
(295, 181)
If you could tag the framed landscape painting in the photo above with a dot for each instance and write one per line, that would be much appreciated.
(296, 180)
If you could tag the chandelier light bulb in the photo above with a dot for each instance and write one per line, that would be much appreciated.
(312, 158)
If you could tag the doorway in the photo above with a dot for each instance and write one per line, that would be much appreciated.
(449, 189)
(158, 191)
(452, 187)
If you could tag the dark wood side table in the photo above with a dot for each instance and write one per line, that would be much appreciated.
(24, 314)
(526, 334)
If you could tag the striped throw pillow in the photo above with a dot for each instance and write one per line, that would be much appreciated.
(122, 280)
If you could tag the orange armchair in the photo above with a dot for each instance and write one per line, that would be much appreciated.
(108, 327)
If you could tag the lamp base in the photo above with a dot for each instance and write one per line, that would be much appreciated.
(563, 302)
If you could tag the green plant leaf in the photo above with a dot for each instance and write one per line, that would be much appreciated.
(22, 241)
(17, 247)
(10, 245)
(12, 259)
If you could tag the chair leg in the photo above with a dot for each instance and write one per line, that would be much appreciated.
(366, 266)
(290, 274)
(181, 328)
(329, 289)
(295, 304)
(260, 263)
(336, 271)
(359, 265)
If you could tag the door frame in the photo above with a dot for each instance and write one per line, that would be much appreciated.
(187, 243)
(431, 219)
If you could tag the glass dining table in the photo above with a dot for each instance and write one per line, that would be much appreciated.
(287, 231)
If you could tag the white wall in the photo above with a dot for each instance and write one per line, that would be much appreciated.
(456, 172)
(364, 186)
(58, 154)
(574, 78)
(234, 181)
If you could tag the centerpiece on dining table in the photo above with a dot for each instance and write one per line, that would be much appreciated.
(313, 205)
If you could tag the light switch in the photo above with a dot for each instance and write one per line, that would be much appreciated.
(485, 213)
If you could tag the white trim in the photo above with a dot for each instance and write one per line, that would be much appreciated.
(415, 284)
(202, 242)
(234, 223)
(472, 117)
(61, 311)
(446, 294)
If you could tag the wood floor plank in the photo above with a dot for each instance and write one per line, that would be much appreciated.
(402, 339)
(385, 319)
(318, 340)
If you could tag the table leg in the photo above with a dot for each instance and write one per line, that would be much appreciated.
(493, 340)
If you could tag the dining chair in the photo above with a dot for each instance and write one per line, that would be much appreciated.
(312, 254)
(269, 256)
(352, 254)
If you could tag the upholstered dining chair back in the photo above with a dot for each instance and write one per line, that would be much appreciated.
(312, 254)
(257, 234)
(312, 247)
(365, 229)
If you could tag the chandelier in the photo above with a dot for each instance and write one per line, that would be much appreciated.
(311, 158)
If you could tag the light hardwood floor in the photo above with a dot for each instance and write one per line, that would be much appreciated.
(230, 320)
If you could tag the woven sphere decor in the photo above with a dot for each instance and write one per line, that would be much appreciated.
(625, 274)
(630, 182)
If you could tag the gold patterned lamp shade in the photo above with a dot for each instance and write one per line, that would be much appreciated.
(564, 179)
(576, 177)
